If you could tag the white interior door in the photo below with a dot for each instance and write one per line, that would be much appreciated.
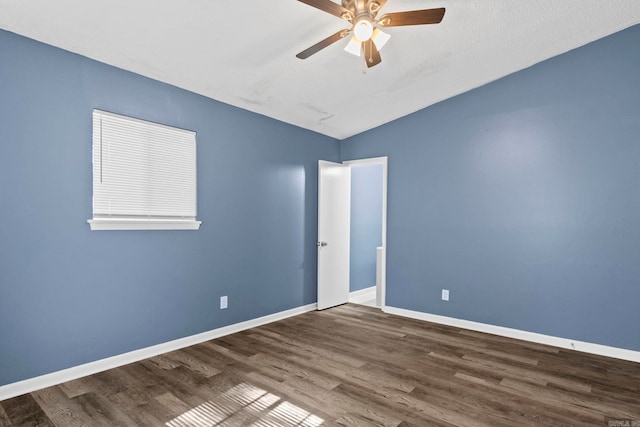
(334, 224)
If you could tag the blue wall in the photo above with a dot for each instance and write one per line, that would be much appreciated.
(69, 295)
(366, 224)
(523, 198)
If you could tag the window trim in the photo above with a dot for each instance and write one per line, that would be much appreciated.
(99, 224)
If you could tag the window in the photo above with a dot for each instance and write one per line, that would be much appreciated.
(144, 175)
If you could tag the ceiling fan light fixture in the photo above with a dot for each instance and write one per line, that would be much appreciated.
(363, 30)
(354, 46)
(380, 38)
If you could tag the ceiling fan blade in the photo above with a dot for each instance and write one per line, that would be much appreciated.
(322, 44)
(371, 54)
(413, 17)
(330, 7)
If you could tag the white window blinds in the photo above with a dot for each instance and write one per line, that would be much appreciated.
(144, 174)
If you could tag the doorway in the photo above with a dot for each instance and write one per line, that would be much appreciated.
(368, 219)
(334, 234)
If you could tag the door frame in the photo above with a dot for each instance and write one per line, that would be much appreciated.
(383, 268)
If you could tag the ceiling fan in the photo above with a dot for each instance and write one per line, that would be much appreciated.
(365, 29)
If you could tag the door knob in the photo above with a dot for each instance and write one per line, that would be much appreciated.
(322, 244)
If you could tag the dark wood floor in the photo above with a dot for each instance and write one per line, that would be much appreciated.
(351, 365)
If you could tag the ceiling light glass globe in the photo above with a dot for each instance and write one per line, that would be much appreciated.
(363, 30)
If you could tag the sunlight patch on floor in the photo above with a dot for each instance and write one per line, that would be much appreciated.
(251, 401)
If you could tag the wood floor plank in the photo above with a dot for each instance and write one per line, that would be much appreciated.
(102, 412)
(347, 366)
(463, 387)
(508, 344)
(4, 418)
(290, 368)
(76, 387)
(148, 413)
(25, 411)
(60, 409)
(310, 347)
(573, 400)
(325, 372)
(338, 402)
(191, 361)
(424, 410)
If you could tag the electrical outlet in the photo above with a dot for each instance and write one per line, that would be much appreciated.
(445, 295)
(224, 302)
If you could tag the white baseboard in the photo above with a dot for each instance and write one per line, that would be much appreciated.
(585, 347)
(32, 384)
(363, 295)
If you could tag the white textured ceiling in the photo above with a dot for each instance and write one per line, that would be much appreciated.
(243, 52)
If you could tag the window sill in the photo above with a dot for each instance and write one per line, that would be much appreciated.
(142, 224)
